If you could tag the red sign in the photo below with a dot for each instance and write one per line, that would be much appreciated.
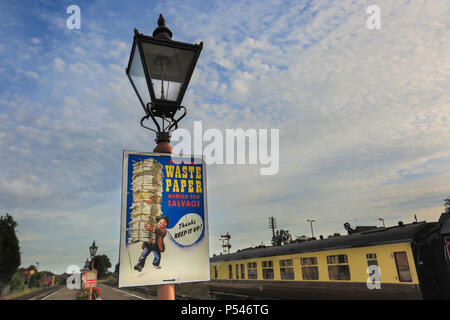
(90, 279)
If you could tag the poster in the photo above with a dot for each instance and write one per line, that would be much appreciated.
(90, 278)
(164, 221)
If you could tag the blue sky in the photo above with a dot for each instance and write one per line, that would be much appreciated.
(363, 115)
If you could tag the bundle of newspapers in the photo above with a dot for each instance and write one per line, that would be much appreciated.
(147, 196)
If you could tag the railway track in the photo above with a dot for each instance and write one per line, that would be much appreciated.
(39, 294)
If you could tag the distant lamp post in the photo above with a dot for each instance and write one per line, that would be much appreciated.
(312, 230)
(159, 70)
(382, 220)
(93, 250)
(85, 268)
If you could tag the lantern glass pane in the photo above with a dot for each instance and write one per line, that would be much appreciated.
(168, 68)
(138, 77)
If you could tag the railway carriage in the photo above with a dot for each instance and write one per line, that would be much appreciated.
(412, 261)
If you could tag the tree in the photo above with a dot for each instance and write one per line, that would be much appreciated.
(447, 205)
(9, 250)
(102, 264)
(281, 237)
(446, 212)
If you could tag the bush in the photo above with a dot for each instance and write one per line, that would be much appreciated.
(17, 283)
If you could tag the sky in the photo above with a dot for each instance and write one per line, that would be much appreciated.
(363, 116)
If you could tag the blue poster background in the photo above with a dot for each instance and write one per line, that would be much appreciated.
(174, 213)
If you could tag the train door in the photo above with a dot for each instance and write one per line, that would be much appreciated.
(447, 247)
(402, 264)
(445, 233)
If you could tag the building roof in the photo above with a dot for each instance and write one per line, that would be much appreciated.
(397, 234)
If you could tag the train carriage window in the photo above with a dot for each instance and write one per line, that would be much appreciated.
(237, 271)
(230, 271)
(242, 271)
(371, 259)
(338, 268)
(310, 271)
(252, 270)
(267, 268)
(401, 260)
(287, 269)
(215, 272)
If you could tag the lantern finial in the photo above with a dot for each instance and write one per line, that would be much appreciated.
(162, 32)
(161, 21)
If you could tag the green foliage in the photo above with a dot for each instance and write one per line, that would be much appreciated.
(281, 237)
(35, 281)
(9, 249)
(447, 205)
(102, 264)
(17, 283)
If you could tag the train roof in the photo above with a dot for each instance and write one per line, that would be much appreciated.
(379, 236)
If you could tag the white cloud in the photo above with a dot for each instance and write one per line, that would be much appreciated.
(31, 74)
(59, 65)
(363, 114)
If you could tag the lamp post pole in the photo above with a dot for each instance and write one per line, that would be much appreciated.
(165, 291)
(312, 231)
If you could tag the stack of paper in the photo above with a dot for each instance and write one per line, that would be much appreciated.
(147, 196)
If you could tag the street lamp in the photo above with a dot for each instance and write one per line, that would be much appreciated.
(93, 250)
(311, 222)
(381, 219)
(159, 70)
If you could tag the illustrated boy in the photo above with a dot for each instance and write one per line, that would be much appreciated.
(157, 247)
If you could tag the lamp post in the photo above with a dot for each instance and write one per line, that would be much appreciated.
(382, 220)
(85, 268)
(92, 250)
(86, 264)
(311, 222)
(159, 70)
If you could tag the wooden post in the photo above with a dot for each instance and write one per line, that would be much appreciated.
(165, 291)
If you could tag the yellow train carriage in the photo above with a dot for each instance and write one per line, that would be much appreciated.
(382, 263)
